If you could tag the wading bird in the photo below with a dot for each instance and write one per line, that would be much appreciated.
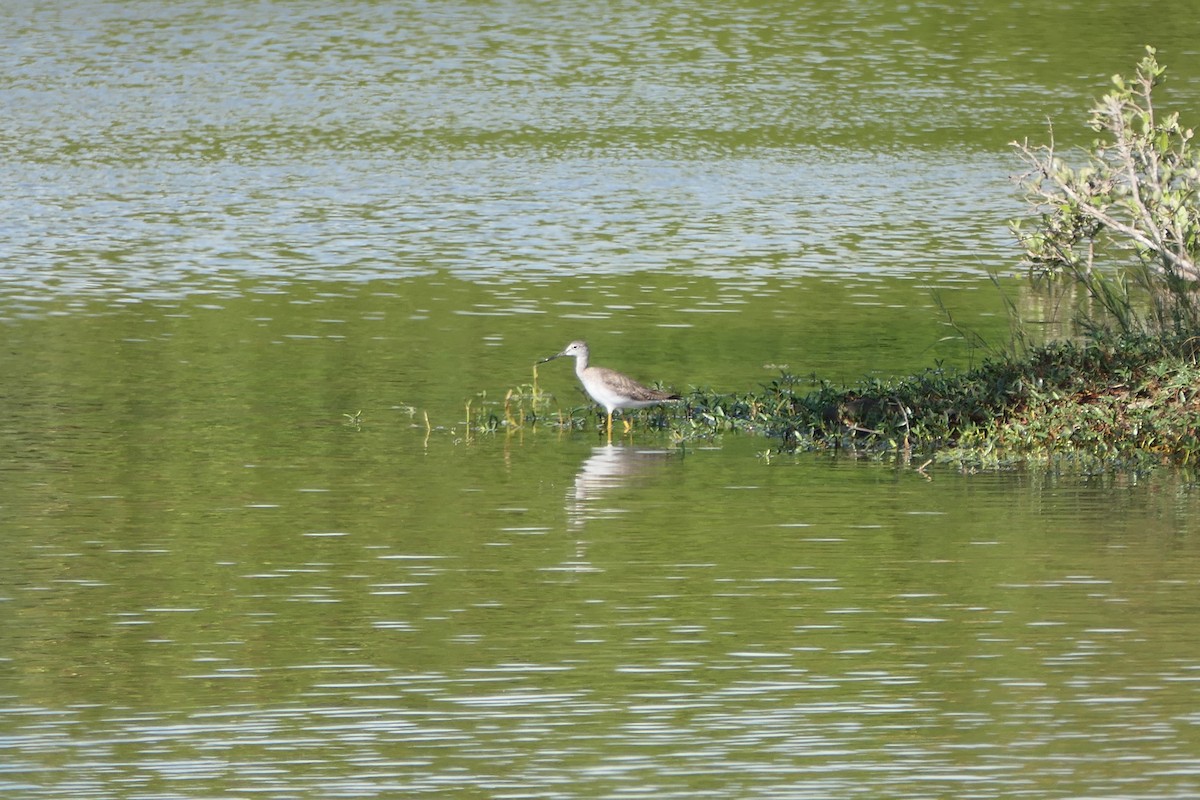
(610, 388)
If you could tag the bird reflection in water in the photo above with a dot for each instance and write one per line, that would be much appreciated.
(609, 467)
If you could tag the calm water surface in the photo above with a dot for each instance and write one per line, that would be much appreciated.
(572, 620)
(227, 229)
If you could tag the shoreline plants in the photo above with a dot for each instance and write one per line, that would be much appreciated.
(1122, 226)
(1125, 224)
(1116, 225)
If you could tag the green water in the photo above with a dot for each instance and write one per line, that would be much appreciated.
(257, 259)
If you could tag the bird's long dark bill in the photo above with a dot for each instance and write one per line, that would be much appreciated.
(551, 358)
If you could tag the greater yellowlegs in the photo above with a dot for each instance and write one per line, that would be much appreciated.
(610, 388)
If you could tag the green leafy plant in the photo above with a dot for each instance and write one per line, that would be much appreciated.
(1134, 203)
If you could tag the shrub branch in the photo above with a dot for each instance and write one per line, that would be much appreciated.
(1136, 192)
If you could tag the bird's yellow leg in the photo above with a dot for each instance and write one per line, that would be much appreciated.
(610, 427)
(628, 424)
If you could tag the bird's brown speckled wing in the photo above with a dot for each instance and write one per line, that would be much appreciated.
(631, 388)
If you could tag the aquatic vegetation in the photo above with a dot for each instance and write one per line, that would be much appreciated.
(1124, 400)
(1113, 401)
(1124, 226)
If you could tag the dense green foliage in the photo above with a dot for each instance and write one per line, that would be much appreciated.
(1125, 401)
